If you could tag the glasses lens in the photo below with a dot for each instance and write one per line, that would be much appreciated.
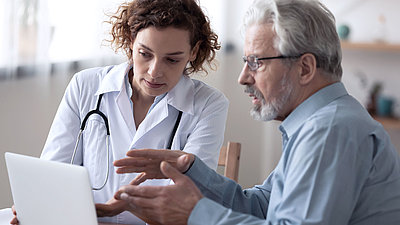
(252, 62)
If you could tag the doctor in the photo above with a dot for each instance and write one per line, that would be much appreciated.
(165, 41)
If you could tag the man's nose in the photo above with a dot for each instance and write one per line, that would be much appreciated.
(245, 77)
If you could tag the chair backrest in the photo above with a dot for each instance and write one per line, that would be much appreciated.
(229, 157)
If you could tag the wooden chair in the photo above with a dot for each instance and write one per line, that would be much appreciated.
(229, 157)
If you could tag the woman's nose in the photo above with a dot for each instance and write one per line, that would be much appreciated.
(155, 69)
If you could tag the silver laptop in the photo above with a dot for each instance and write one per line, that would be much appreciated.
(49, 193)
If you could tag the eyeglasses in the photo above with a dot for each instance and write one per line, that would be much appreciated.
(252, 61)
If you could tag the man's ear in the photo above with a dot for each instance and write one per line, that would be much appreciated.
(194, 51)
(308, 68)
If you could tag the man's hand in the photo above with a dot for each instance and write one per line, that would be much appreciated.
(111, 208)
(147, 162)
(170, 204)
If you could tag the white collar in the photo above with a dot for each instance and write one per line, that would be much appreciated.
(113, 78)
(181, 96)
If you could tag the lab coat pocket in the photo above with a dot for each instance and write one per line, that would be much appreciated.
(95, 150)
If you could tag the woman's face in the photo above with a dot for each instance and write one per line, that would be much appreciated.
(159, 58)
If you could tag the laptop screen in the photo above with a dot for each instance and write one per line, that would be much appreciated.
(48, 192)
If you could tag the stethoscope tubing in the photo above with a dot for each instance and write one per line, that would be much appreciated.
(108, 158)
(97, 111)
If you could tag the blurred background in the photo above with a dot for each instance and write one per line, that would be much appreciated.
(44, 42)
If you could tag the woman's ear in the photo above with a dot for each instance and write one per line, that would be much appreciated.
(308, 68)
(194, 51)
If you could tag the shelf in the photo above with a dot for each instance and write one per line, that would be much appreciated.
(389, 123)
(371, 46)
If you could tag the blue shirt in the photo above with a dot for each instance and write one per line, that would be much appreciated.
(338, 166)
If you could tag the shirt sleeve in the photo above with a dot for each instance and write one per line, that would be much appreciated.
(219, 215)
(224, 197)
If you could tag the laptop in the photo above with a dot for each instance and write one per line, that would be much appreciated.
(49, 193)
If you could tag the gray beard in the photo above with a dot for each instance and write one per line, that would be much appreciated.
(269, 111)
(265, 112)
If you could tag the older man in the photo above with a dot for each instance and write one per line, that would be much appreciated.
(338, 165)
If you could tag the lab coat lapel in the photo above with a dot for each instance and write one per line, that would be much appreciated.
(125, 108)
(181, 97)
(155, 117)
(113, 78)
(114, 81)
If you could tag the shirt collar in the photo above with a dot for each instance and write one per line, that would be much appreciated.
(316, 101)
(181, 96)
(113, 79)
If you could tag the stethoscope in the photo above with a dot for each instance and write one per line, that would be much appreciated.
(105, 119)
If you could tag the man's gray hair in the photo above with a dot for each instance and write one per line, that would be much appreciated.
(301, 26)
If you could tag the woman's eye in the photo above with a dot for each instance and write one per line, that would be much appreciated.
(172, 60)
(144, 54)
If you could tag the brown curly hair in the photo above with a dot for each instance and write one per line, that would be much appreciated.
(133, 16)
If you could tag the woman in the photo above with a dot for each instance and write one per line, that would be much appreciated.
(165, 41)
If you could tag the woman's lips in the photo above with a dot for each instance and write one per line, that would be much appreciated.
(152, 85)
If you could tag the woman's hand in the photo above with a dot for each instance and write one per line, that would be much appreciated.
(147, 162)
(14, 220)
(111, 208)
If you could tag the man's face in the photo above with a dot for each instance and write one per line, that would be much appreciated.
(270, 85)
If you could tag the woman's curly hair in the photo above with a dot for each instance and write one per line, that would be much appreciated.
(184, 14)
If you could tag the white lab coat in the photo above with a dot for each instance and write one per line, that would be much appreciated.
(200, 132)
